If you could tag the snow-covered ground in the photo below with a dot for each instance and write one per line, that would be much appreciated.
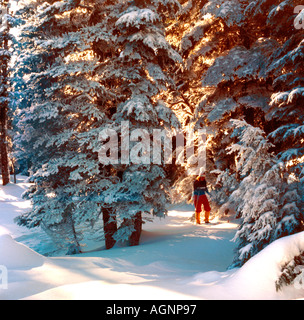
(175, 260)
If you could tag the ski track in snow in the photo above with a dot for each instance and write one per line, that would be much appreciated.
(175, 260)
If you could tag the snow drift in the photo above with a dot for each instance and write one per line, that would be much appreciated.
(256, 279)
(175, 260)
(14, 255)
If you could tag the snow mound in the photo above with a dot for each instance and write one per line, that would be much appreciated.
(14, 255)
(100, 290)
(261, 272)
(256, 279)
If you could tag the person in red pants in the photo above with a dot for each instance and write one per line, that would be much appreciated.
(200, 198)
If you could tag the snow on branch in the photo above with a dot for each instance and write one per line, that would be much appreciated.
(137, 17)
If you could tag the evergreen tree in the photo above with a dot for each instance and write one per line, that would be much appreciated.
(141, 70)
(268, 204)
(285, 108)
(61, 120)
(292, 273)
(243, 60)
(91, 70)
(92, 67)
(5, 56)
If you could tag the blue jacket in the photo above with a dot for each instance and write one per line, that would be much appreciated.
(200, 187)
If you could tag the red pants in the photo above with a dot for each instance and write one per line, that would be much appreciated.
(199, 201)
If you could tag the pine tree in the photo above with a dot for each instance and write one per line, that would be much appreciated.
(243, 60)
(60, 123)
(292, 273)
(267, 203)
(4, 90)
(225, 77)
(92, 67)
(141, 69)
(285, 112)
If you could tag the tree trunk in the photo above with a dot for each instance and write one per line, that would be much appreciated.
(14, 172)
(75, 245)
(109, 227)
(135, 236)
(3, 147)
(4, 105)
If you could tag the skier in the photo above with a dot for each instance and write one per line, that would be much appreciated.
(200, 198)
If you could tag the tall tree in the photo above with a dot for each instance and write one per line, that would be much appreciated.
(4, 87)
(93, 66)
(60, 119)
(140, 70)
(268, 203)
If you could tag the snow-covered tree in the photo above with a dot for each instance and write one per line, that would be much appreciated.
(243, 60)
(141, 69)
(92, 66)
(206, 99)
(292, 273)
(5, 56)
(129, 68)
(60, 120)
(267, 202)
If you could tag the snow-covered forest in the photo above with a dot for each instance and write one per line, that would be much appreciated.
(109, 110)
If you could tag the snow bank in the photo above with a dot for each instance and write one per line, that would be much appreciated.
(13, 192)
(256, 279)
(100, 290)
(14, 255)
(175, 260)
(259, 274)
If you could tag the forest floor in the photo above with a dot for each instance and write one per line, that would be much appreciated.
(176, 260)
